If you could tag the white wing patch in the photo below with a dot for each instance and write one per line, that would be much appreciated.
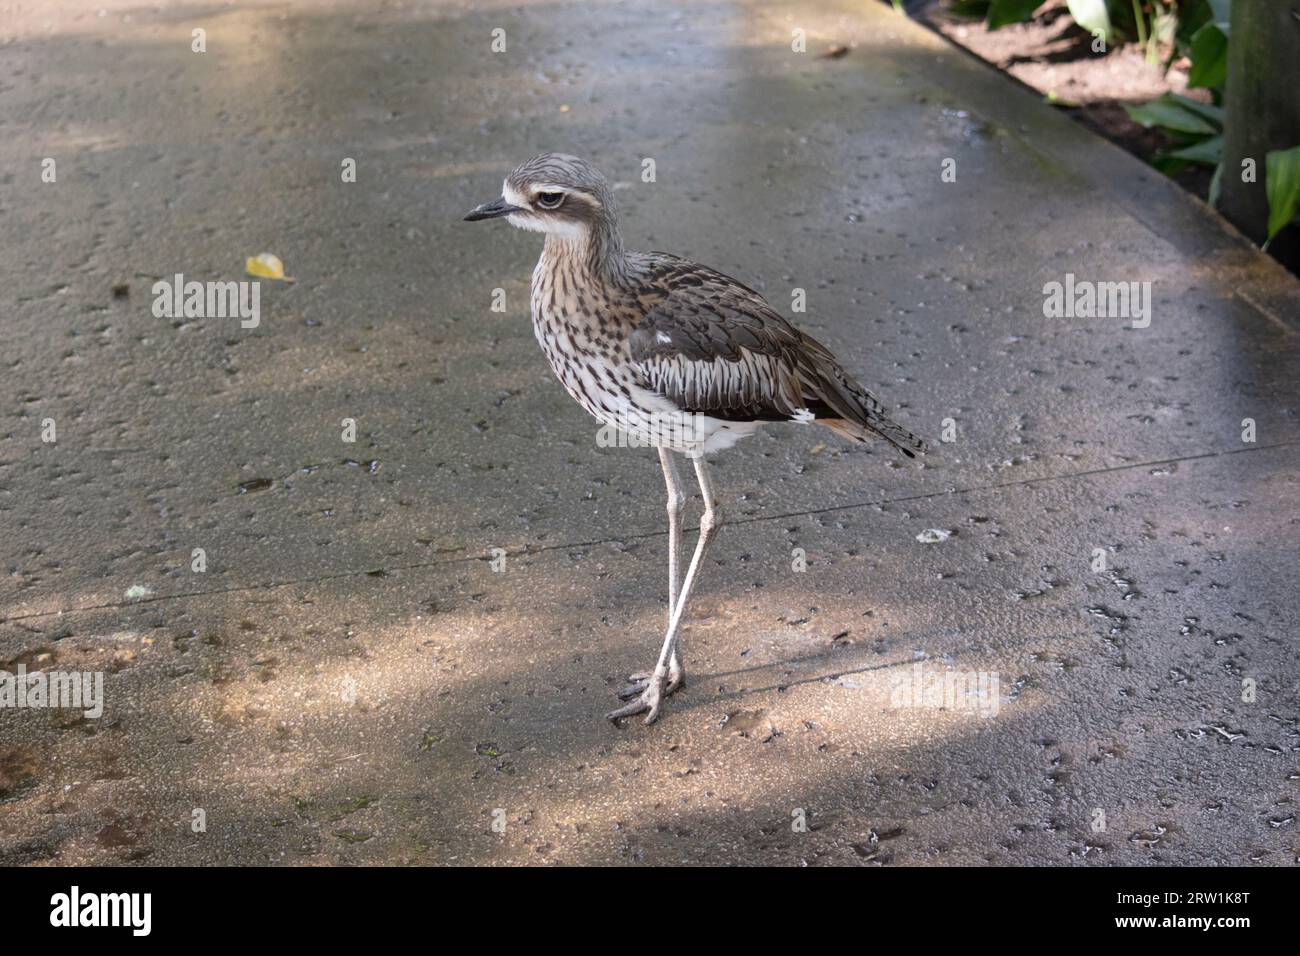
(664, 337)
(803, 416)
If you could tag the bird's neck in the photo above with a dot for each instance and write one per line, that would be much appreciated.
(596, 255)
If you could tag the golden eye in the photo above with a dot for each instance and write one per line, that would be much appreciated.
(550, 200)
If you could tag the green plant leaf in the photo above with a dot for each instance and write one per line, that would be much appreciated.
(1091, 15)
(1002, 12)
(1208, 152)
(1169, 113)
(1216, 186)
(1194, 14)
(1282, 186)
(1205, 110)
(1168, 165)
(1209, 58)
(1191, 19)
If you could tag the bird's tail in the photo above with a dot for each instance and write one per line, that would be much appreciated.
(894, 433)
(855, 412)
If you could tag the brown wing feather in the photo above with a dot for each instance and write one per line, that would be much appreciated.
(713, 346)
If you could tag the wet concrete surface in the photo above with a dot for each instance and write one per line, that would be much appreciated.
(350, 680)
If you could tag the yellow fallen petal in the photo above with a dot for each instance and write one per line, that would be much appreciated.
(266, 266)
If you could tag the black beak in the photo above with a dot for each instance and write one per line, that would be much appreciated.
(491, 210)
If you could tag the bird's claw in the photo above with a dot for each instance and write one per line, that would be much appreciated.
(644, 693)
(647, 701)
(637, 683)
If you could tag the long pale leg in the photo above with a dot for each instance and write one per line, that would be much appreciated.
(676, 507)
(709, 524)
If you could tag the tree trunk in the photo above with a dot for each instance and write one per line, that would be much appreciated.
(1262, 113)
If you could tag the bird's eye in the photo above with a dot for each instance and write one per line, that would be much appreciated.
(550, 200)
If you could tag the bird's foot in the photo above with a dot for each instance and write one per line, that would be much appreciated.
(637, 683)
(645, 692)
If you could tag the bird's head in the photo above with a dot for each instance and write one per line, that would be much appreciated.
(555, 193)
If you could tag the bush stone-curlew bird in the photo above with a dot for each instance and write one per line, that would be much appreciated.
(673, 353)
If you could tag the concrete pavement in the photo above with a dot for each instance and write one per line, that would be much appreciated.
(351, 681)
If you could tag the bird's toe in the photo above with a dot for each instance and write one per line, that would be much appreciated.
(634, 689)
(631, 709)
(646, 700)
(637, 683)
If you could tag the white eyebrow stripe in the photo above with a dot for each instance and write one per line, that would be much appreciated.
(516, 198)
(509, 194)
